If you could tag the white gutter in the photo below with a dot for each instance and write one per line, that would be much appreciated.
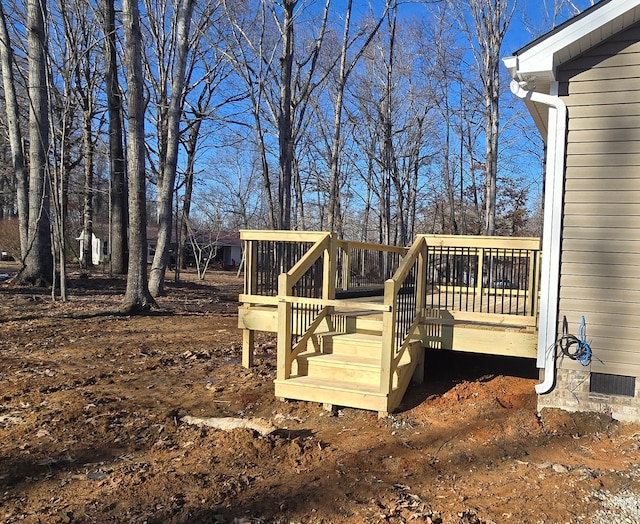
(553, 201)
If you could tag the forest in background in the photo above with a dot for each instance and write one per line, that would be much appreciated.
(375, 120)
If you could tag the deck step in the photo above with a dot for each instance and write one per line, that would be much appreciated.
(351, 368)
(356, 344)
(332, 391)
(358, 321)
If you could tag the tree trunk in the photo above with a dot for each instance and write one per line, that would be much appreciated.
(38, 268)
(15, 135)
(491, 163)
(285, 116)
(335, 215)
(491, 19)
(137, 297)
(165, 186)
(191, 147)
(334, 198)
(272, 215)
(117, 167)
(448, 177)
(87, 230)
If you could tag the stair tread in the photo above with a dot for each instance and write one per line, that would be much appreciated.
(334, 384)
(340, 359)
(363, 337)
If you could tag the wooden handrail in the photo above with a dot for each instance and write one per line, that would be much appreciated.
(390, 333)
(346, 304)
(470, 241)
(308, 259)
(407, 262)
(277, 235)
(346, 244)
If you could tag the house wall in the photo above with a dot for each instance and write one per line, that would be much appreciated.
(600, 252)
(232, 255)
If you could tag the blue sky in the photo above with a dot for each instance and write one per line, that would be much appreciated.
(533, 17)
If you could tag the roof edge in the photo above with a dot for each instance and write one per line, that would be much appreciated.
(563, 25)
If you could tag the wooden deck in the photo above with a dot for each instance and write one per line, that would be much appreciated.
(363, 348)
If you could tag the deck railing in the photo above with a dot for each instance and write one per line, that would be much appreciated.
(362, 265)
(268, 254)
(483, 275)
(404, 295)
(305, 293)
(358, 265)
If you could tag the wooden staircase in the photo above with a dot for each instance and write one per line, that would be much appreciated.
(353, 320)
(346, 371)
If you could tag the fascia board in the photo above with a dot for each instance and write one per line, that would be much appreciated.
(542, 59)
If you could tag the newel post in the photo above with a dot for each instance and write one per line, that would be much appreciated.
(330, 268)
(284, 328)
(388, 336)
(421, 279)
(533, 282)
(250, 288)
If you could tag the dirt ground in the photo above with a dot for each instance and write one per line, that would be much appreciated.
(93, 428)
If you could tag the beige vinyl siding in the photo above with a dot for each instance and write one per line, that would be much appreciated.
(600, 261)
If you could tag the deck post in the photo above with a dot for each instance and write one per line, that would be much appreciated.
(421, 278)
(532, 289)
(346, 264)
(329, 269)
(388, 337)
(247, 348)
(250, 287)
(284, 328)
(421, 290)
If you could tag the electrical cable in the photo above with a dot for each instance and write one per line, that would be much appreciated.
(574, 347)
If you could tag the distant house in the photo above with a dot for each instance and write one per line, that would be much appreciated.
(99, 249)
(225, 248)
(580, 83)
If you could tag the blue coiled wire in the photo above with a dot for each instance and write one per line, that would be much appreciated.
(575, 347)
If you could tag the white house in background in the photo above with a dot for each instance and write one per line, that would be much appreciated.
(227, 247)
(581, 83)
(99, 249)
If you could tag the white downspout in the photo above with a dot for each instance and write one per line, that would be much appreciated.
(553, 201)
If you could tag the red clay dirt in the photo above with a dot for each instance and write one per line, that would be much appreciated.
(92, 430)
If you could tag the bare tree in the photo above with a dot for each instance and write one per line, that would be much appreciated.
(284, 92)
(250, 52)
(191, 143)
(184, 10)
(15, 134)
(344, 71)
(137, 297)
(38, 259)
(117, 166)
(79, 68)
(551, 13)
(204, 245)
(490, 19)
(391, 116)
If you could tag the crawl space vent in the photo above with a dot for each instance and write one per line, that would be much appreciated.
(606, 384)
